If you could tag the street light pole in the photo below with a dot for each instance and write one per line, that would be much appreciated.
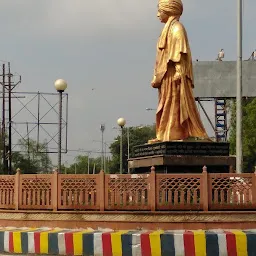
(88, 163)
(60, 86)
(121, 150)
(128, 146)
(60, 121)
(239, 142)
(102, 128)
(121, 122)
(105, 156)
(128, 141)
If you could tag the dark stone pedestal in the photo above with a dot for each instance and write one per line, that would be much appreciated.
(182, 157)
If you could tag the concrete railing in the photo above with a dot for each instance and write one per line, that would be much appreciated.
(134, 192)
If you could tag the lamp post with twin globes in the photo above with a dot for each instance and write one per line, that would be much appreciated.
(60, 86)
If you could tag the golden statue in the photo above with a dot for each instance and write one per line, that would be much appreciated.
(177, 117)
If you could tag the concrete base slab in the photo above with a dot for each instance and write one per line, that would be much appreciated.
(131, 220)
(181, 160)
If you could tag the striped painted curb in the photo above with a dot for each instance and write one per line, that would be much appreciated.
(128, 243)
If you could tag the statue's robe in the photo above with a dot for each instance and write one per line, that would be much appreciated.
(177, 117)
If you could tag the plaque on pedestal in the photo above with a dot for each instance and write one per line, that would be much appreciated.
(191, 148)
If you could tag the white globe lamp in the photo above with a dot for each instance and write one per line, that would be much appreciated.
(121, 122)
(60, 85)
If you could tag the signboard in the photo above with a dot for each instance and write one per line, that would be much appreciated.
(218, 79)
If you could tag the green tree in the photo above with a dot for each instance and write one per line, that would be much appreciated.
(29, 160)
(80, 166)
(23, 163)
(1, 152)
(137, 136)
(248, 133)
(33, 157)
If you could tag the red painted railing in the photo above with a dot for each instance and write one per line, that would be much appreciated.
(148, 192)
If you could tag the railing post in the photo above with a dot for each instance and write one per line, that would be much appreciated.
(152, 189)
(16, 189)
(55, 191)
(204, 191)
(101, 189)
(254, 189)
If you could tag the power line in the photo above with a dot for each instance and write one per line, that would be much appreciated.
(72, 150)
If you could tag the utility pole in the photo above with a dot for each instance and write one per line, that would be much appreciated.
(10, 118)
(239, 94)
(5, 162)
(9, 86)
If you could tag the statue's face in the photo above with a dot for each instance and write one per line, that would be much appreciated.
(162, 16)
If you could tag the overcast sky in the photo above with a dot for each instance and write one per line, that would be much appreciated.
(108, 46)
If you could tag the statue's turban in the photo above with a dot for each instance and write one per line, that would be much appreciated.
(171, 7)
